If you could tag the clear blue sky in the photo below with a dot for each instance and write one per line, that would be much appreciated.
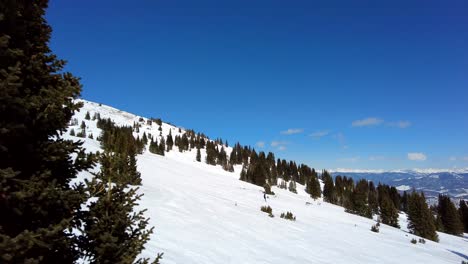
(366, 84)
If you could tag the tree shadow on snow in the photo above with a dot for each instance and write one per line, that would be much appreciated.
(458, 254)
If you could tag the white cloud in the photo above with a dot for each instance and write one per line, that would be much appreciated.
(260, 144)
(370, 121)
(453, 158)
(400, 124)
(279, 145)
(351, 159)
(292, 131)
(319, 134)
(417, 156)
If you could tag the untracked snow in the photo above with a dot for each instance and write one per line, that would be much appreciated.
(203, 214)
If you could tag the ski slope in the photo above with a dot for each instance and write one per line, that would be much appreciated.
(203, 214)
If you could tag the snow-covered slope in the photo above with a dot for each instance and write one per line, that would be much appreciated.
(203, 214)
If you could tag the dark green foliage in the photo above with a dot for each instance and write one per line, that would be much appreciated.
(358, 204)
(388, 212)
(420, 219)
(449, 216)
(372, 199)
(161, 147)
(113, 231)
(158, 121)
(198, 157)
(169, 141)
(404, 202)
(288, 216)
(72, 132)
(463, 211)
(375, 228)
(87, 116)
(122, 149)
(329, 194)
(267, 209)
(422, 241)
(414, 241)
(38, 205)
(313, 186)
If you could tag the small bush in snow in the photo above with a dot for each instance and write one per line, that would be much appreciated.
(267, 209)
(288, 216)
(375, 228)
(414, 241)
(422, 241)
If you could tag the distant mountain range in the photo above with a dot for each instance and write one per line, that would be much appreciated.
(453, 182)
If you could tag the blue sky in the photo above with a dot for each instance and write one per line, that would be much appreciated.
(333, 84)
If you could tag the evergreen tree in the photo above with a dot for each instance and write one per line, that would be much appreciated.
(198, 157)
(313, 186)
(162, 146)
(449, 216)
(404, 202)
(72, 132)
(169, 141)
(388, 212)
(38, 204)
(328, 188)
(372, 198)
(113, 231)
(87, 116)
(463, 210)
(359, 203)
(420, 218)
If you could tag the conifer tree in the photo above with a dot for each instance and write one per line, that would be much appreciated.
(198, 157)
(328, 188)
(113, 231)
(420, 218)
(463, 210)
(87, 116)
(169, 141)
(162, 146)
(388, 212)
(38, 204)
(449, 216)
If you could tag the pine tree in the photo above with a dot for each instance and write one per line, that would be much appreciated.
(388, 212)
(328, 188)
(359, 203)
(449, 216)
(198, 157)
(113, 231)
(169, 141)
(420, 218)
(313, 186)
(38, 204)
(72, 132)
(463, 210)
(87, 116)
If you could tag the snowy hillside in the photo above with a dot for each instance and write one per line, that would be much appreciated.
(203, 214)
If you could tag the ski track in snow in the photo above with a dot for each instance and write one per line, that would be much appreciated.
(203, 214)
